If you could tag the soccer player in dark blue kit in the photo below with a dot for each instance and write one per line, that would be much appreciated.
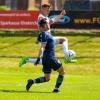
(49, 60)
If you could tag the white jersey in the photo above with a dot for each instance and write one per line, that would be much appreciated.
(41, 16)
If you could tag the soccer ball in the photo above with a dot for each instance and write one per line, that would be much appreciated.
(72, 54)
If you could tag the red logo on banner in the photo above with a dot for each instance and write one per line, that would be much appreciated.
(19, 19)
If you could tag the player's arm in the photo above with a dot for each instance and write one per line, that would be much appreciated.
(57, 17)
(42, 47)
(42, 38)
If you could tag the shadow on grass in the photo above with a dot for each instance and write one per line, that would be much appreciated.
(26, 34)
(18, 91)
(78, 34)
(18, 42)
(81, 41)
(18, 34)
(89, 35)
(35, 33)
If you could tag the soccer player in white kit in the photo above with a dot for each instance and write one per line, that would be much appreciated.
(44, 12)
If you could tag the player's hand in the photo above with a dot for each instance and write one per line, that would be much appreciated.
(63, 12)
(37, 61)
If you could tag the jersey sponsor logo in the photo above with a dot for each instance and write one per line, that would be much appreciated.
(62, 20)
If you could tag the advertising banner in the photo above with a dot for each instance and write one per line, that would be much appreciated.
(28, 20)
(18, 19)
(79, 19)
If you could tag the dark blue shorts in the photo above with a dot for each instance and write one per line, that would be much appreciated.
(50, 63)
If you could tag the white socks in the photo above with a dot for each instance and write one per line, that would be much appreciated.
(65, 47)
(33, 60)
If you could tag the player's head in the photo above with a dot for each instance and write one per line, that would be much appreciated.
(43, 24)
(45, 9)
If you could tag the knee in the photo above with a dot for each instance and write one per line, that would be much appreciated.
(47, 79)
(63, 39)
(61, 71)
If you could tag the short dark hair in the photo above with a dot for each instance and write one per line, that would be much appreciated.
(42, 22)
(45, 5)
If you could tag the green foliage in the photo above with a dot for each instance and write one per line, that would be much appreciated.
(3, 8)
(33, 8)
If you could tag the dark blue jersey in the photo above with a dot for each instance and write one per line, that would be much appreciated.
(46, 37)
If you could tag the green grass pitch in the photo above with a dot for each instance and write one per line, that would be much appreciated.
(82, 79)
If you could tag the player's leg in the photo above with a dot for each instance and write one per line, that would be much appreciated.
(26, 59)
(33, 60)
(46, 78)
(59, 79)
(30, 82)
(57, 66)
(64, 42)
